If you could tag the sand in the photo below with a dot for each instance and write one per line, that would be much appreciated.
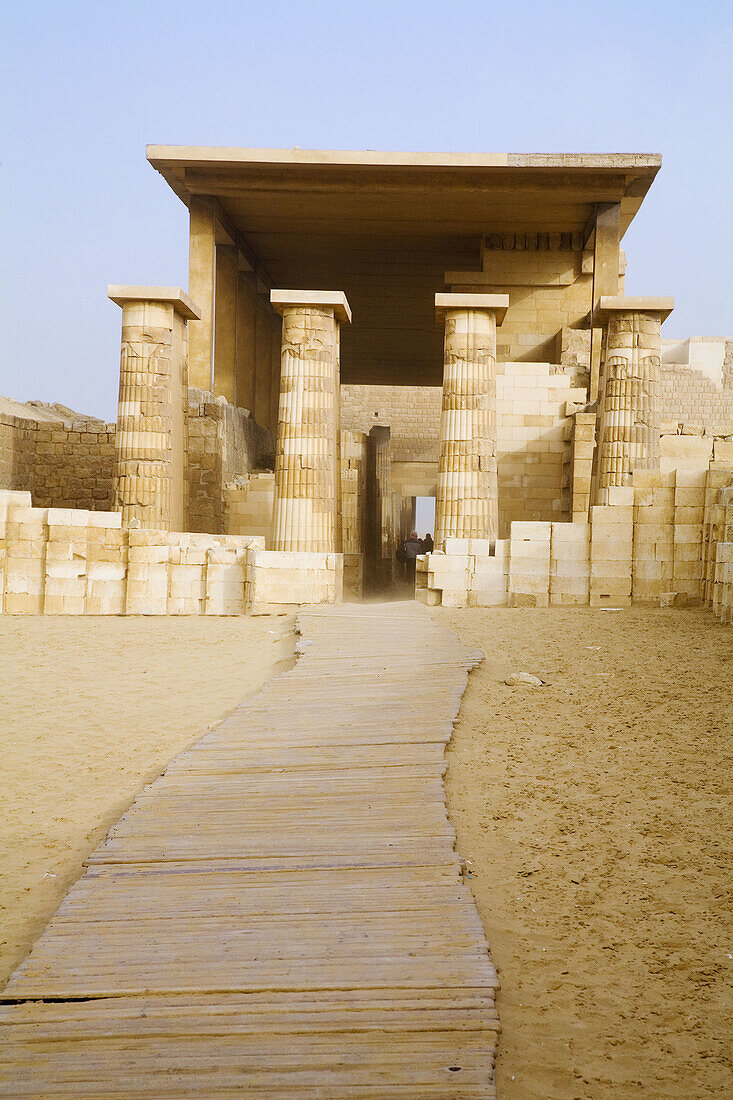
(92, 709)
(595, 811)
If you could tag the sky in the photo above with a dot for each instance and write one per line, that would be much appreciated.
(85, 86)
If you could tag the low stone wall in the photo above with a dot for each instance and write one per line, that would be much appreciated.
(62, 561)
(720, 586)
(281, 580)
(662, 540)
(63, 465)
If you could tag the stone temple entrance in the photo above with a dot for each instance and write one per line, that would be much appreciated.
(404, 325)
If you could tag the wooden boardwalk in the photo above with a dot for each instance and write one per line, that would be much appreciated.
(282, 912)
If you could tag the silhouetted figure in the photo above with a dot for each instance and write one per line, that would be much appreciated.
(428, 544)
(408, 552)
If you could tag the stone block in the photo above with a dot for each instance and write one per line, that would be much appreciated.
(686, 515)
(23, 603)
(528, 599)
(66, 569)
(687, 534)
(612, 514)
(604, 569)
(647, 479)
(620, 495)
(454, 546)
(530, 531)
(105, 520)
(487, 594)
(186, 582)
(610, 599)
(527, 582)
(429, 597)
(723, 451)
(659, 514)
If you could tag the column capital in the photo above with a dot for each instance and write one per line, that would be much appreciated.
(496, 303)
(169, 295)
(312, 299)
(619, 303)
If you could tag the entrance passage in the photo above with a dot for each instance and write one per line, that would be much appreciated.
(282, 913)
(425, 516)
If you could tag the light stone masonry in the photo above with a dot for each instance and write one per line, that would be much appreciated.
(150, 446)
(306, 458)
(467, 500)
(629, 389)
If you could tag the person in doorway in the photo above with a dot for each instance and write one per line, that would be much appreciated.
(427, 544)
(411, 548)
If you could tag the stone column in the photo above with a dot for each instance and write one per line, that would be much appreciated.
(150, 443)
(225, 321)
(467, 501)
(264, 326)
(606, 256)
(306, 454)
(628, 399)
(245, 360)
(201, 279)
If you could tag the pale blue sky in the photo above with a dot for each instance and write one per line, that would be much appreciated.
(86, 85)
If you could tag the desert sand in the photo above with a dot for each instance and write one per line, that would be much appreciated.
(91, 710)
(595, 811)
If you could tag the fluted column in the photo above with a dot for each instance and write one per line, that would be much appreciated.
(628, 401)
(467, 500)
(306, 456)
(149, 442)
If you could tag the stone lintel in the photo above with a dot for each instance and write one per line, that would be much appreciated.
(498, 303)
(171, 295)
(619, 303)
(316, 299)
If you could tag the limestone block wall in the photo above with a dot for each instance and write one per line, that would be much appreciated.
(691, 399)
(533, 430)
(663, 539)
(534, 442)
(63, 465)
(248, 505)
(224, 443)
(578, 466)
(281, 580)
(693, 452)
(721, 597)
(14, 453)
(412, 413)
(549, 280)
(471, 572)
(63, 561)
(354, 459)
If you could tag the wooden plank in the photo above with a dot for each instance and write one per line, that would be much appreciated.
(281, 913)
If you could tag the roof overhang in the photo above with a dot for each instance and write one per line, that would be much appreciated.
(385, 227)
(534, 189)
